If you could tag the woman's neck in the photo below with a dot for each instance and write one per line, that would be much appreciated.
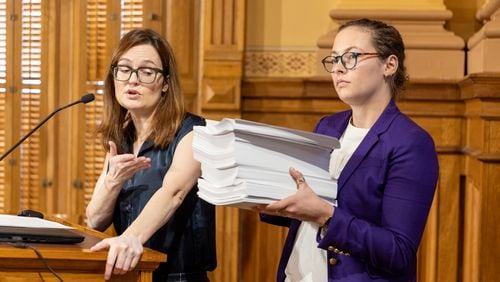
(366, 114)
(142, 127)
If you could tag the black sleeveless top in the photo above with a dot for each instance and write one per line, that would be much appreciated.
(188, 238)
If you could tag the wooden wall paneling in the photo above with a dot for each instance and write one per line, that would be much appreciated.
(154, 14)
(482, 158)
(218, 95)
(490, 231)
(251, 236)
(112, 34)
(494, 135)
(182, 28)
(45, 195)
(437, 107)
(301, 102)
(53, 70)
(222, 58)
(472, 221)
(70, 137)
(261, 245)
(5, 192)
(61, 164)
(427, 252)
(75, 199)
(291, 102)
(227, 241)
(438, 256)
(448, 250)
(11, 163)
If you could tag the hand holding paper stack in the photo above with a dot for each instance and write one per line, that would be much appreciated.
(245, 163)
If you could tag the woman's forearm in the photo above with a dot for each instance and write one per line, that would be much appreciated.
(101, 207)
(155, 214)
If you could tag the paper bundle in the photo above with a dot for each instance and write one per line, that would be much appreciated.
(245, 163)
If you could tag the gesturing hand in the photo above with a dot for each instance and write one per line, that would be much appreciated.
(122, 167)
(124, 253)
(304, 205)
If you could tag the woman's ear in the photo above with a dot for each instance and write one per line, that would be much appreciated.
(165, 88)
(391, 65)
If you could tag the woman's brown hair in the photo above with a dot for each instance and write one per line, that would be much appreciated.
(117, 124)
(387, 41)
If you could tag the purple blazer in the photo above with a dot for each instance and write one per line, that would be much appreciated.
(384, 195)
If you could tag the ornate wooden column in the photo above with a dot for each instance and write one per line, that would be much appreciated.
(222, 58)
(219, 85)
(179, 21)
(481, 93)
(481, 234)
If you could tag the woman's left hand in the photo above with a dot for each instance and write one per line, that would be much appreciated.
(304, 205)
(124, 253)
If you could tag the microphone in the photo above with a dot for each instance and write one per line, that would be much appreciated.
(85, 99)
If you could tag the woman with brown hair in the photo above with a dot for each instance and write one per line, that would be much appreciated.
(147, 188)
(386, 171)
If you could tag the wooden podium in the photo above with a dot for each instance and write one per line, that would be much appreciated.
(72, 262)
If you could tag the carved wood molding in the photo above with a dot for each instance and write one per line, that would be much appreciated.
(276, 63)
(488, 10)
(481, 94)
(491, 29)
(483, 45)
(222, 55)
(431, 50)
(480, 85)
(391, 15)
(322, 87)
(419, 28)
(481, 156)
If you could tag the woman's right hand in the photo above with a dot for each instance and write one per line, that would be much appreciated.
(124, 252)
(123, 166)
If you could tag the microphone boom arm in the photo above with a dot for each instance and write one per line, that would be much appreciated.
(84, 99)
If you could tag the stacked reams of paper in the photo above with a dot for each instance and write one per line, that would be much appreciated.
(245, 163)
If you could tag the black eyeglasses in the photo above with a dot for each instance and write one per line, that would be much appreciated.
(349, 60)
(144, 74)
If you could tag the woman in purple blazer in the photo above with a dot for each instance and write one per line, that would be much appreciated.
(386, 171)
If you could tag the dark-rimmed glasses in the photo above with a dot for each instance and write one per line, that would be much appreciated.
(349, 60)
(144, 74)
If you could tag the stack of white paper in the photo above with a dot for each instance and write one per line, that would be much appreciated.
(246, 163)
